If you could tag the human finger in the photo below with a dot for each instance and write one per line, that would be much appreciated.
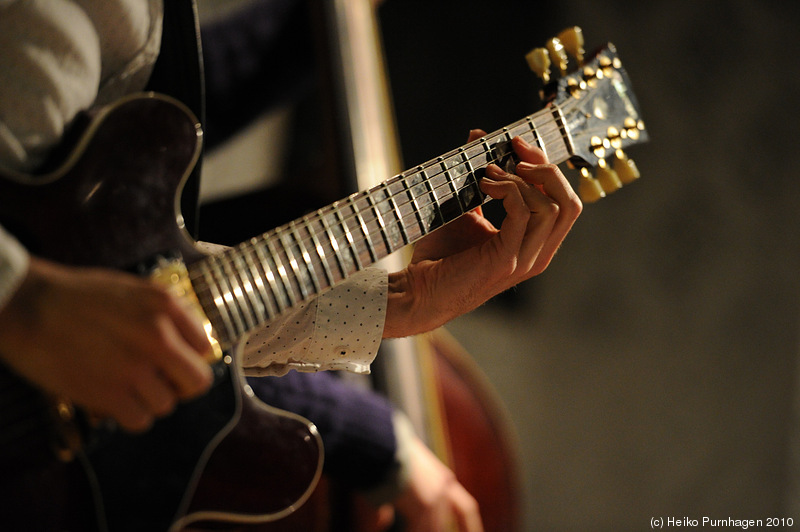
(182, 363)
(550, 180)
(465, 509)
(128, 412)
(188, 325)
(532, 226)
(528, 152)
(155, 394)
(475, 134)
(508, 188)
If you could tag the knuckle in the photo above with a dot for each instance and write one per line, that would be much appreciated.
(550, 209)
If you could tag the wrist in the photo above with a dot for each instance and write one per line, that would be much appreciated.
(399, 306)
(413, 306)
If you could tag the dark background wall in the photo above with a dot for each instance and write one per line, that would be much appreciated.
(651, 370)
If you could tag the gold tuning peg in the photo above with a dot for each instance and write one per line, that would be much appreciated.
(625, 168)
(589, 189)
(557, 54)
(539, 62)
(607, 177)
(572, 39)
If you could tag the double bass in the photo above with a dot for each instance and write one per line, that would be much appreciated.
(431, 378)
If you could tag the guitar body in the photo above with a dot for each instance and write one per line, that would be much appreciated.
(114, 203)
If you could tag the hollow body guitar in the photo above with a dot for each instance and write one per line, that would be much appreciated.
(113, 203)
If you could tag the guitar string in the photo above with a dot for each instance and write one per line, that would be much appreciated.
(311, 269)
(302, 273)
(435, 194)
(313, 265)
(316, 262)
(554, 134)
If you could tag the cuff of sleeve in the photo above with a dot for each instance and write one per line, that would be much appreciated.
(340, 330)
(14, 260)
(349, 324)
(396, 480)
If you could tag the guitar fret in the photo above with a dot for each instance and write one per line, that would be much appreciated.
(548, 127)
(565, 135)
(470, 195)
(471, 176)
(381, 223)
(227, 295)
(348, 236)
(518, 129)
(267, 265)
(255, 305)
(507, 159)
(268, 298)
(403, 208)
(451, 183)
(487, 149)
(443, 209)
(537, 141)
(301, 280)
(227, 328)
(237, 298)
(413, 200)
(310, 269)
(320, 250)
(291, 295)
(367, 236)
(335, 246)
(396, 211)
(435, 199)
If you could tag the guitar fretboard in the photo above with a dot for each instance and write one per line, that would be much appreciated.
(258, 280)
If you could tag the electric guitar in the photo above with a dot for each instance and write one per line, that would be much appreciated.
(112, 203)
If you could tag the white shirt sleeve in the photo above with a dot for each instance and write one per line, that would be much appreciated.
(60, 57)
(339, 330)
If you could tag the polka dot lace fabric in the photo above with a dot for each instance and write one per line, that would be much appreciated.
(339, 330)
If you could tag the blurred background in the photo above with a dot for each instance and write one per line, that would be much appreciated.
(651, 371)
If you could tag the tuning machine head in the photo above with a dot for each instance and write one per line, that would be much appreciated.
(555, 53)
(572, 39)
(625, 168)
(611, 174)
(539, 63)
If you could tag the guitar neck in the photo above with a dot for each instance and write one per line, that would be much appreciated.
(259, 279)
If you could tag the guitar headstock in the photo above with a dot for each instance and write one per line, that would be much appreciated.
(601, 114)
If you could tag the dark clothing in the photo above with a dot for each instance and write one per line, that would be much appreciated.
(257, 58)
(355, 424)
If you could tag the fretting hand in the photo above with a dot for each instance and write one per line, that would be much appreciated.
(462, 265)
